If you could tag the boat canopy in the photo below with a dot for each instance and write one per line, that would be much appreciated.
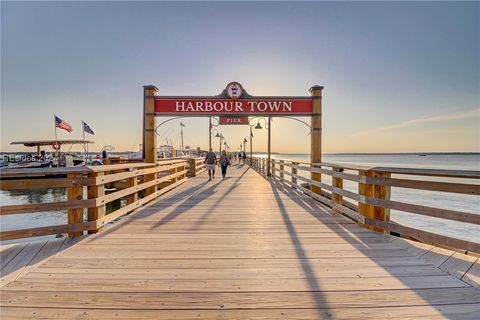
(37, 143)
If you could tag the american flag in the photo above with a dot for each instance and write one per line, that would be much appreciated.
(59, 123)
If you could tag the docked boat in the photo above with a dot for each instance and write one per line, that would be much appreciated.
(49, 154)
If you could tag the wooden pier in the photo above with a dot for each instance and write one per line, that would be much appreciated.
(244, 247)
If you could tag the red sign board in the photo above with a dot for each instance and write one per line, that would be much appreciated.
(165, 106)
(233, 120)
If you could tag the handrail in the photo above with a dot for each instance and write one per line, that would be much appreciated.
(408, 171)
(135, 183)
(373, 196)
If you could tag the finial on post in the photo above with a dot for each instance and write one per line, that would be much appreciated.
(316, 88)
(150, 87)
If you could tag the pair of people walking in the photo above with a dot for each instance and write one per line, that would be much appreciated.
(211, 162)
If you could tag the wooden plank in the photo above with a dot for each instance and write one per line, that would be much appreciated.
(38, 172)
(47, 206)
(8, 252)
(50, 248)
(472, 276)
(425, 210)
(233, 285)
(45, 183)
(428, 237)
(457, 311)
(458, 264)
(462, 188)
(415, 247)
(315, 272)
(44, 231)
(409, 171)
(241, 300)
(18, 264)
(437, 256)
(452, 311)
(249, 263)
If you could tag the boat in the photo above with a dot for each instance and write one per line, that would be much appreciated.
(55, 157)
(28, 165)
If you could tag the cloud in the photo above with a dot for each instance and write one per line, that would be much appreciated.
(475, 113)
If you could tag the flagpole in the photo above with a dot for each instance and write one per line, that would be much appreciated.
(56, 140)
(55, 126)
(84, 145)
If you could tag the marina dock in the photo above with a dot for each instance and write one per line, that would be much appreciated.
(244, 247)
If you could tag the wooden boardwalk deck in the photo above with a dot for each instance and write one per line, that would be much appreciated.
(243, 248)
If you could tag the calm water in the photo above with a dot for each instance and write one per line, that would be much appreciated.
(466, 203)
(459, 202)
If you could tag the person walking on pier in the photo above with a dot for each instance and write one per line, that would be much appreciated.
(224, 163)
(211, 161)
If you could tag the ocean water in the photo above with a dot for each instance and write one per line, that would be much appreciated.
(449, 161)
(459, 202)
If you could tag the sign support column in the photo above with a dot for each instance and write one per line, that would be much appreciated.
(269, 157)
(316, 137)
(251, 150)
(149, 136)
(209, 133)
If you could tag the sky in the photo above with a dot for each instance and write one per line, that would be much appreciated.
(398, 77)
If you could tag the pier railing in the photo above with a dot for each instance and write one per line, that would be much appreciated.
(373, 201)
(90, 189)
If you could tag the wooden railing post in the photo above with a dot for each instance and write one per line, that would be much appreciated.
(337, 183)
(132, 182)
(366, 190)
(94, 192)
(382, 192)
(184, 169)
(174, 171)
(75, 215)
(282, 168)
(294, 172)
(273, 167)
(192, 167)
